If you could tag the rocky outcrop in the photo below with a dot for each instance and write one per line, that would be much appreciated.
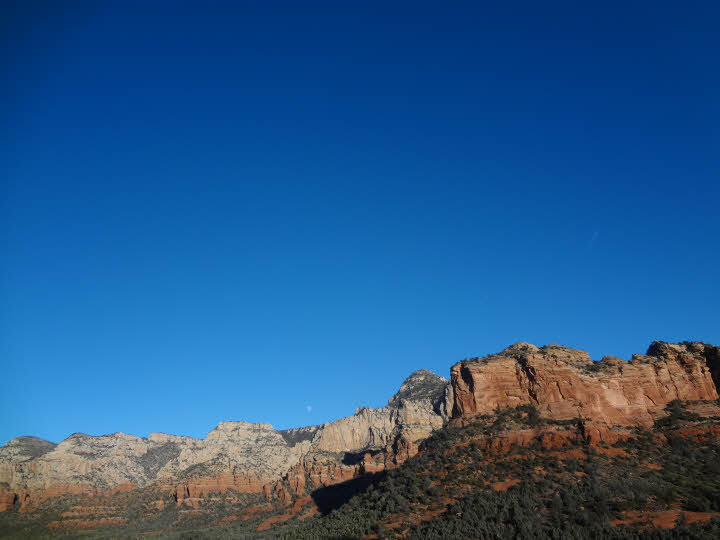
(372, 439)
(246, 457)
(7, 499)
(565, 383)
(608, 398)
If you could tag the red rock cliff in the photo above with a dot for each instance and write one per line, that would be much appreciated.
(565, 383)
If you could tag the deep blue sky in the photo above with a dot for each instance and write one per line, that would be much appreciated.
(218, 212)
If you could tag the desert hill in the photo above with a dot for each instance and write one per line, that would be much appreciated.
(510, 432)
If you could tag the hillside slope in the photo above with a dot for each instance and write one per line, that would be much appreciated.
(515, 474)
(524, 401)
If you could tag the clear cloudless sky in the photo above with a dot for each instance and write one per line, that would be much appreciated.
(275, 212)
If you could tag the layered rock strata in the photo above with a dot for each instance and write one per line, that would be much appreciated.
(605, 397)
(565, 383)
(243, 456)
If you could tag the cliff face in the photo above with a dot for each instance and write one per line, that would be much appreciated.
(564, 383)
(247, 457)
(283, 466)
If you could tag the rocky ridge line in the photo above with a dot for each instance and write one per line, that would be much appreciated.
(603, 399)
(247, 457)
(565, 383)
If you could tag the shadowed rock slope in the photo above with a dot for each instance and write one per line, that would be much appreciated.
(516, 474)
